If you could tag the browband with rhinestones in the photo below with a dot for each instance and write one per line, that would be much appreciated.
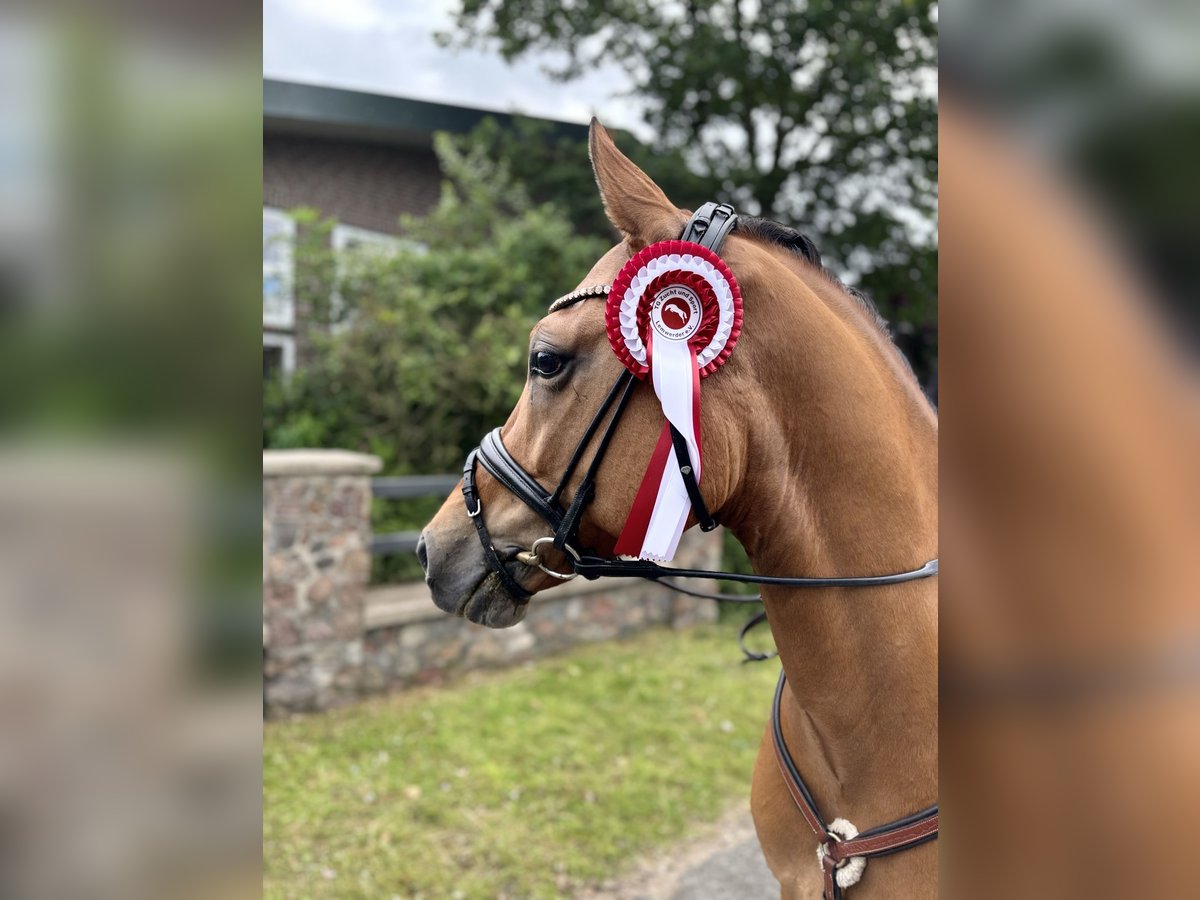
(595, 290)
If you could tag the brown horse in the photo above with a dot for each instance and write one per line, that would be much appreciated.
(821, 456)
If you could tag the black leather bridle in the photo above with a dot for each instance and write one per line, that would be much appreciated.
(709, 227)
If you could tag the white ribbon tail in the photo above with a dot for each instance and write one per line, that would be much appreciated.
(673, 369)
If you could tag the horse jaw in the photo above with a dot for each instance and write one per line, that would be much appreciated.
(492, 606)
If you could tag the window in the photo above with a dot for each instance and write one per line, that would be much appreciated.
(272, 362)
(352, 244)
(362, 240)
(279, 234)
(279, 356)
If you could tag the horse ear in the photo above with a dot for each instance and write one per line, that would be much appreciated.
(635, 205)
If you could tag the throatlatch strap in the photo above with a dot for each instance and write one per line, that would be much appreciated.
(687, 471)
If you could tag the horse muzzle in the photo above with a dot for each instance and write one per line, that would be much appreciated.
(461, 583)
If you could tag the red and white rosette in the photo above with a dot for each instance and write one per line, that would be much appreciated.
(674, 313)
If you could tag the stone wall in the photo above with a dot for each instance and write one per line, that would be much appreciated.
(316, 562)
(328, 639)
(410, 641)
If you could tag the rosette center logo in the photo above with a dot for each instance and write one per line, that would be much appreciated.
(675, 313)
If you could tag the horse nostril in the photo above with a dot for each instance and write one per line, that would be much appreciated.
(422, 554)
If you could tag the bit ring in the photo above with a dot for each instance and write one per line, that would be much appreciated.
(566, 547)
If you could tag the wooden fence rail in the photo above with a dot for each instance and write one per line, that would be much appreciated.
(406, 487)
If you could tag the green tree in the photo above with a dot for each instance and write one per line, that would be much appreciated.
(555, 168)
(821, 114)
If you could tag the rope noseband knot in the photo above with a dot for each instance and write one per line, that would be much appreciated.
(847, 871)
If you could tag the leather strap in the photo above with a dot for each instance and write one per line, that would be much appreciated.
(622, 382)
(829, 871)
(500, 464)
(568, 531)
(879, 841)
(751, 623)
(687, 471)
(891, 839)
(791, 776)
(475, 511)
(593, 567)
(710, 225)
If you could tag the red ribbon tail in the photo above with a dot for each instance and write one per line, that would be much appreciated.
(633, 535)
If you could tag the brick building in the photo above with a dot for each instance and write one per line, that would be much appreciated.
(360, 158)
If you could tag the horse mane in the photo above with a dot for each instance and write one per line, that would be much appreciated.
(801, 245)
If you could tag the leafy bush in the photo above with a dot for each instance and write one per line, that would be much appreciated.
(432, 352)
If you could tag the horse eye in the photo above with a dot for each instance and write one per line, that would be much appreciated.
(545, 363)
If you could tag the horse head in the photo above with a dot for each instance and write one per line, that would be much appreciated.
(571, 366)
(786, 436)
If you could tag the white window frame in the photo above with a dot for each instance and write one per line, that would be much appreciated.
(343, 235)
(342, 240)
(284, 269)
(287, 344)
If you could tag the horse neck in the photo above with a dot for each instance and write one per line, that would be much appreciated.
(844, 482)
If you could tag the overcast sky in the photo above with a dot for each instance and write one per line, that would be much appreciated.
(387, 47)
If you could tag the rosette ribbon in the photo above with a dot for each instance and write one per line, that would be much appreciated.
(674, 313)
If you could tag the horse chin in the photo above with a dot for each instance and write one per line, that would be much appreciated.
(493, 606)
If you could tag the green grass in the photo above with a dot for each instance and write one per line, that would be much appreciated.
(524, 783)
